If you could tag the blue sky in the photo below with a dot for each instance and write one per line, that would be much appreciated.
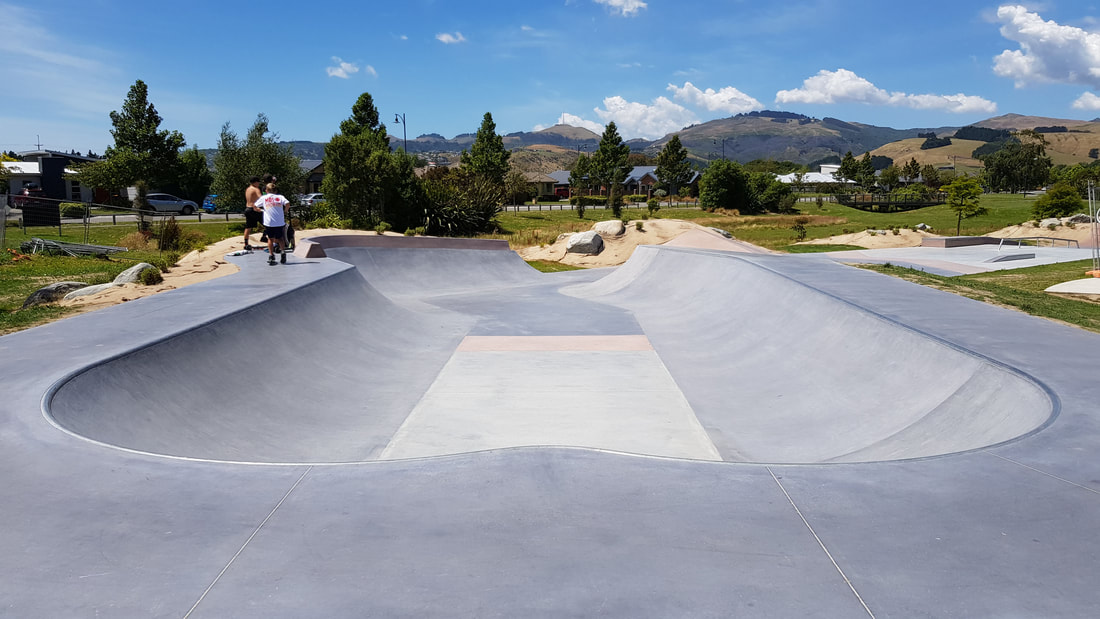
(652, 66)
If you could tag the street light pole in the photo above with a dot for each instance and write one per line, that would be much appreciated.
(400, 119)
(715, 141)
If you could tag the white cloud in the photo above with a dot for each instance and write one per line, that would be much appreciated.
(343, 69)
(844, 86)
(526, 28)
(624, 7)
(1087, 101)
(371, 70)
(728, 99)
(1049, 52)
(448, 38)
(648, 121)
(404, 37)
(574, 121)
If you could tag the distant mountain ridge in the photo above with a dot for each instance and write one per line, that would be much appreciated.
(767, 134)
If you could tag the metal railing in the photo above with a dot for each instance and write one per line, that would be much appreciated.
(1038, 241)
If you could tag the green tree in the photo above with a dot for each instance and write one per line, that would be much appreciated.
(866, 174)
(195, 177)
(516, 187)
(487, 156)
(358, 167)
(580, 183)
(889, 177)
(259, 153)
(931, 176)
(142, 151)
(911, 171)
(964, 195)
(610, 166)
(673, 168)
(724, 185)
(1018, 165)
(1061, 200)
(849, 168)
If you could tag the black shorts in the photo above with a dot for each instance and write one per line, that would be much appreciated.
(275, 234)
(252, 218)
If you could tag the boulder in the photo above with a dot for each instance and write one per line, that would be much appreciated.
(1079, 218)
(132, 275)
(722, 232)
(923, 227)
(590, 243)
(1050, 221)
(51, 293)
(87, 290)
(611, 227)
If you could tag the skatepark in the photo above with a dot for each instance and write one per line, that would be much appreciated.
(429, 428)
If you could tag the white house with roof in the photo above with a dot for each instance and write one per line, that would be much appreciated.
(48, 169)
(826, 175)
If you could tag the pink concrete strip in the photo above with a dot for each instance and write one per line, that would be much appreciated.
(487, 343)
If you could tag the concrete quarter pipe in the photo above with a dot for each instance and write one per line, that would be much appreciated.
(443, 431)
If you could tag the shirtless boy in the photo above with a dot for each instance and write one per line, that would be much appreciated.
(252, 215)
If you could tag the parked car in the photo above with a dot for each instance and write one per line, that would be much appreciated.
(311, 198)
(168, 202)
(208, 203)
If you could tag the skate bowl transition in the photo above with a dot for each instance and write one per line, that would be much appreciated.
(421, 352)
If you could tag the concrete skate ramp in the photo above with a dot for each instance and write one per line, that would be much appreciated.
(745, 364)
(430, 272)
(323, 373)
(777, 371)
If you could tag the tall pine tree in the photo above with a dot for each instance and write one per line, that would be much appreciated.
(609, 166)
(487, 156)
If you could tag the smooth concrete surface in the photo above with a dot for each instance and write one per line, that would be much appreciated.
(274, 393)
(964, 260)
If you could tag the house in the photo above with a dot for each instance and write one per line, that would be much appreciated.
(47, 169)
(542, 183)
(810, 180)
(641, 180)
(314, 170)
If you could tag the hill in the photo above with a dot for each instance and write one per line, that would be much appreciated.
(1064, 147)
(782, 136)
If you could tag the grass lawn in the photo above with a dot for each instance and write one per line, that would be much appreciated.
(1020, 289)
(20, 278)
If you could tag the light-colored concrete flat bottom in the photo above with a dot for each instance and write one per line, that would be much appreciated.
(620, 400)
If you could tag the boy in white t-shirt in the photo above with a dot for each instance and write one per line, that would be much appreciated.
(274, 206)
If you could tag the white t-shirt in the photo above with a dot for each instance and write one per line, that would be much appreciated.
(273, 205)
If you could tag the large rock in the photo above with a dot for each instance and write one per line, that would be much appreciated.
(1079, 218)
(585, 243)
(132, 275)
(87, 290)
(51, 293)
(611, 227)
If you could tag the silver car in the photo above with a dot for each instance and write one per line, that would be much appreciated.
(168, 202)
(311, 198)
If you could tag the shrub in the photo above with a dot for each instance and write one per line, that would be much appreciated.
(72, 210)
(635, 197)
(653, 205)
(799, 228)
(150, 277)
(410, 232)
(135, 241)
(588, 200)
(166, 260)
(190, 240)
(1061, 200)
(580, 210)
(639, 226)
(382, 227)
(169, 235)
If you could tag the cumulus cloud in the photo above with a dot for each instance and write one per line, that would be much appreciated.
(1087, 101)
(449, 39)
(623, 7)
(1049, 52)
(650, 121)
(574, 121)
(728, 99)
(844, 86)
(343, 69)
